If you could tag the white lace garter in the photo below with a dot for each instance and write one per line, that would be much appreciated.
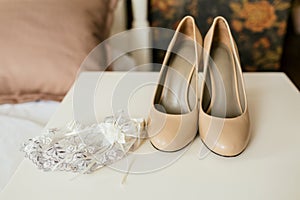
(84, 149)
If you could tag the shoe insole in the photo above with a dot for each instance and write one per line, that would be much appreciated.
(178, 96)
(224, 98)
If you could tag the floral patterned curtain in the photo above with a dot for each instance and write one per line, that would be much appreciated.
(258, 26)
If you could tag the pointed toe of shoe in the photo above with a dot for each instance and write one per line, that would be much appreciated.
(225, 136)
(169, 132)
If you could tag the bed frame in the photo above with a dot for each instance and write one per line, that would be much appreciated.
(139, 15)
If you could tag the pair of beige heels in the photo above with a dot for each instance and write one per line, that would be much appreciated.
(221, 113)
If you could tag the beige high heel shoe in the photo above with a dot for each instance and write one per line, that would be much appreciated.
(223, 114)
(173, 118)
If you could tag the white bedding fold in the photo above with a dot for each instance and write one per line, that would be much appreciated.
(19, 122)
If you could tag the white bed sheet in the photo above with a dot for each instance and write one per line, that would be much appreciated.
(19, 122)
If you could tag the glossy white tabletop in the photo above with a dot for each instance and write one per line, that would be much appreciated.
(268, 169)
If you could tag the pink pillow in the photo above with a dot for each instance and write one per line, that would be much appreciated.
(43, 43)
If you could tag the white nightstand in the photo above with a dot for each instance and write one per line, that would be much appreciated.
(268, 169)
